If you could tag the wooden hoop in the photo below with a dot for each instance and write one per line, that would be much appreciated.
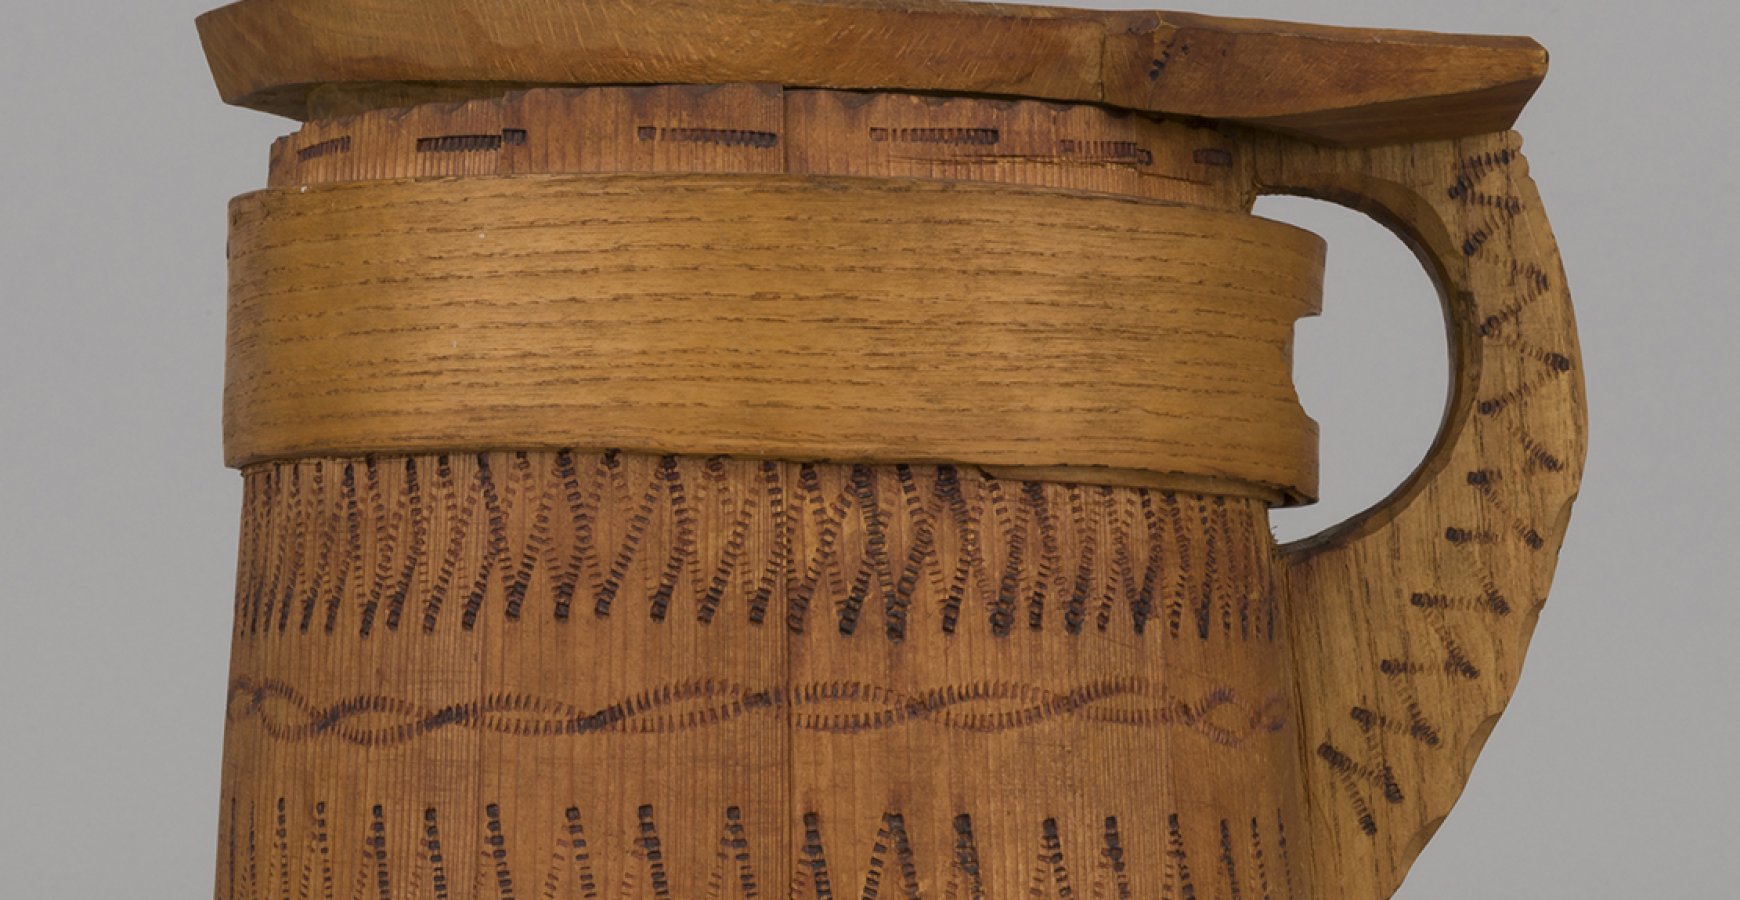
(874, 320)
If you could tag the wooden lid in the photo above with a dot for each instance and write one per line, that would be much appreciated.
(308, 58)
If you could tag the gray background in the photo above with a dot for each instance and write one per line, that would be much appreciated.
(1612, 776)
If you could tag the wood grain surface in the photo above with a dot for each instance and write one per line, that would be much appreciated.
(319, 58)
(769, 316)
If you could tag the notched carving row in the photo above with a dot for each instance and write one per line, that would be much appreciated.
(902, 858)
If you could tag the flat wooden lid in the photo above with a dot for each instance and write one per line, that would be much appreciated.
(303, 58)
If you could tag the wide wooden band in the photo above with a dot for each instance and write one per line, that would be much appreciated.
(873, 320)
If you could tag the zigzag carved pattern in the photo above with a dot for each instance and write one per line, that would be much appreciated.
(1219, 715)
(438, 542)
(1249, 860)
(1355, 754)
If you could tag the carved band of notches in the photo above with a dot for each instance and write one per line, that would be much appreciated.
(278, 849)
(431, 544)
(766, 129)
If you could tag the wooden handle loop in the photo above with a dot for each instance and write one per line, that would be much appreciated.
(1409, 624)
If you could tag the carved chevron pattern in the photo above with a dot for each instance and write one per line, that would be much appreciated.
(1409, 625)
(987, 707)
(1443, 624)
(432, 543)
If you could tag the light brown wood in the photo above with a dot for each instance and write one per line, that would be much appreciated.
(319, 58)
(1409, 625)
(497, 637)
(769, 316)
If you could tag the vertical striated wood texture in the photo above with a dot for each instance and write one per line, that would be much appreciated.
(631, 676)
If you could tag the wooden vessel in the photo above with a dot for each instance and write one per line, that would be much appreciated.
(824, 449)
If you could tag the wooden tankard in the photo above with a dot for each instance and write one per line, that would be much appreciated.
(823, 449)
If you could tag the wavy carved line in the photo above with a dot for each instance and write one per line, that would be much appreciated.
(1218, 715)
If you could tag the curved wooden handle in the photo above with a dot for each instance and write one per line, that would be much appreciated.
(1409, 624)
